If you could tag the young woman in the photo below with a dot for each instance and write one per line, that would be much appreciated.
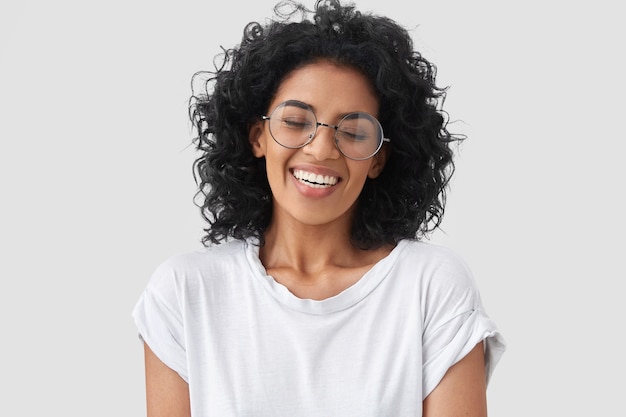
(324, 159)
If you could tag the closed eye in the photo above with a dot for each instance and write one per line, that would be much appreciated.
(353, 136)
(295, 124)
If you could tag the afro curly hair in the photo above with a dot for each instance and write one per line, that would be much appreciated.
(406, 201)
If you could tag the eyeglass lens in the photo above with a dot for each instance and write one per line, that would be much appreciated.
(293, 125)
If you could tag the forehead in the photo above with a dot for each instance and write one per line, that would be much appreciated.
(328, 87)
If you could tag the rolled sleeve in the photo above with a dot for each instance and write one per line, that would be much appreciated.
(451, 342)
(160, 324)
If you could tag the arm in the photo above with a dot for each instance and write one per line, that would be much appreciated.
(462, 391)
(167, 394)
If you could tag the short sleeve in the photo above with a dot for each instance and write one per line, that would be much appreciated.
(455, 322)
(159, 320)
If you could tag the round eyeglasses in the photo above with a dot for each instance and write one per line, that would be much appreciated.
(358, 135)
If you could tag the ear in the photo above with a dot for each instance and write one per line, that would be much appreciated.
(378, 162)
(256, 138)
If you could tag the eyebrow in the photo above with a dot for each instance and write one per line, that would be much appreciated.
(302, 105)
(298, 104)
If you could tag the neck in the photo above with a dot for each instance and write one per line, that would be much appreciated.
(315, 261)
(308, 248)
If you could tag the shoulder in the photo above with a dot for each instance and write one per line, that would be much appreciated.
(431, 258)
(440, 272)
(192, 268)
(206, 257)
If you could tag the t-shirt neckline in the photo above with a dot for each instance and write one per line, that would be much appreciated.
(342, 301)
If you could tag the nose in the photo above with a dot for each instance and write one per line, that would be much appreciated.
(323, 146)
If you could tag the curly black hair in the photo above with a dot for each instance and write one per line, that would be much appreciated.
(406, 201)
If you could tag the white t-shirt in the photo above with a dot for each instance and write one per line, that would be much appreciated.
(249, 347)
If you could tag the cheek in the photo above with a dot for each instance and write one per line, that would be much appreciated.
(360, 170)
(276, 163)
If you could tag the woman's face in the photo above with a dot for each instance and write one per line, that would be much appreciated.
(316, 184)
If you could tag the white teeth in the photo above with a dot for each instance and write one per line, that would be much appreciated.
(314, 180)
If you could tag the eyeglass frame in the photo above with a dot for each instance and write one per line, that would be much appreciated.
(334, 127)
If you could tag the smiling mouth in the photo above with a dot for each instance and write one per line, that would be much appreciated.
(314, 180)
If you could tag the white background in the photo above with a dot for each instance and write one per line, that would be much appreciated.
(96, 187)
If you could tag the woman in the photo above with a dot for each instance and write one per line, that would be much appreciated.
(324, 159)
